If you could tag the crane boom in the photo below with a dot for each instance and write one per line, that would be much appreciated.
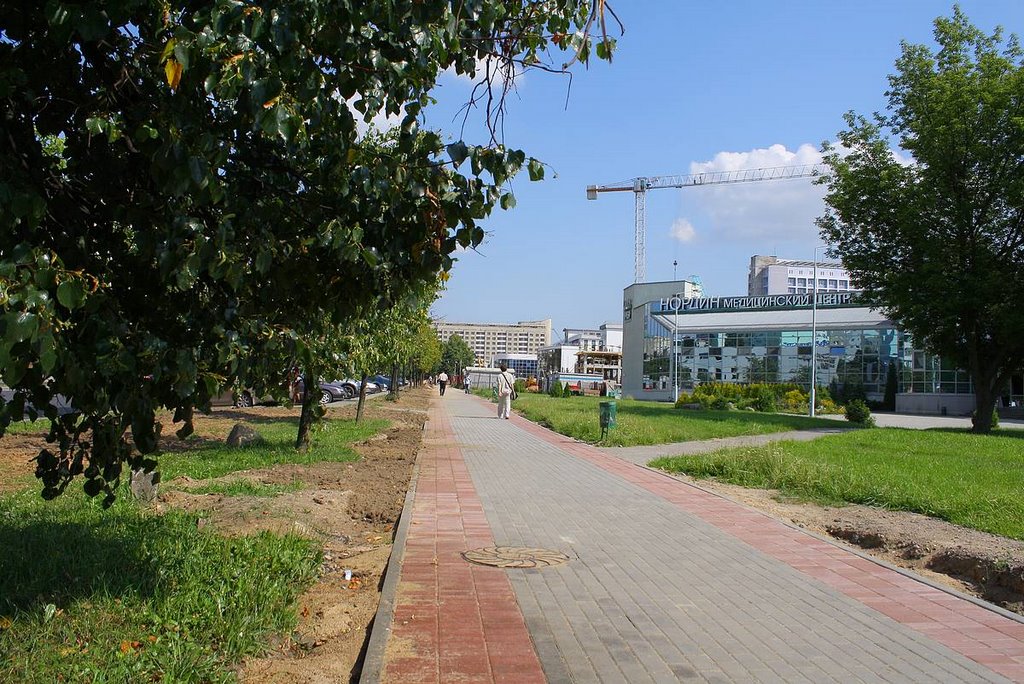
(639, 187)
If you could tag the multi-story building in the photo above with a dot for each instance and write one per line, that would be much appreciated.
(523, 365)
(586, 351)
(770, 275)
(488, 340)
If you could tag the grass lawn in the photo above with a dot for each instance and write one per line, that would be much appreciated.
(211, 458)
(972, 480)
(127, 595)
(647, 422)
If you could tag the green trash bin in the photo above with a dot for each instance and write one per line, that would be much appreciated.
(608, 413)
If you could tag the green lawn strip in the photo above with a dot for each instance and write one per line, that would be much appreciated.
(972, 480)
(645, 422)
(28, 427)
(331, 442)
(125, 595)
(245, 488)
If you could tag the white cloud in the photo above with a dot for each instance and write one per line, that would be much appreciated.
(682, 230)
(774, 211)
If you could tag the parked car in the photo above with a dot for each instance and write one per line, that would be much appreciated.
(329, 390)
(352, 387)
(382, 380)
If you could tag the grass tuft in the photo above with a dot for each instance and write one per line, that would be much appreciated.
(645, 422)
(972, 480)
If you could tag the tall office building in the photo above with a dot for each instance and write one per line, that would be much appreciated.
(488, 340)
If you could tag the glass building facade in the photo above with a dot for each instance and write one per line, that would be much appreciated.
(843, 357)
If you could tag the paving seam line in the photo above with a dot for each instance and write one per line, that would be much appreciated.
(373, 661)
(981, 603)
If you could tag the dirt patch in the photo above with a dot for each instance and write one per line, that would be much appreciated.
(16, 464)
(983, 565)
(350, 508)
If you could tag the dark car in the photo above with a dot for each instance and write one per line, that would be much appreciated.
(329, 391)
(382, 380)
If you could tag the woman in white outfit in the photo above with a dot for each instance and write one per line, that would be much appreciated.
(505, 385)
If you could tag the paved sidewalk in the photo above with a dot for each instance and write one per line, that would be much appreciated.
(666, 582)
(642, 455)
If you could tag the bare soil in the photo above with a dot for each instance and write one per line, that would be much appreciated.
(352, 508)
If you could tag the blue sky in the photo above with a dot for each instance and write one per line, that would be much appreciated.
(694, 86)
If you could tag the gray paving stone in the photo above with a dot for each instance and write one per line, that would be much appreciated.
(653, 593)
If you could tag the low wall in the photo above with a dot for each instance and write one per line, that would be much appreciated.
(936, 404)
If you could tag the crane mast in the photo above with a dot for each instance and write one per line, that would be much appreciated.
(639, 187)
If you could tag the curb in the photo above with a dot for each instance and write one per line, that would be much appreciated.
(910, 574)
(373, 661)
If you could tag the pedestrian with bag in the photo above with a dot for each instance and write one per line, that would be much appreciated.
(506, 389)
(442, 380)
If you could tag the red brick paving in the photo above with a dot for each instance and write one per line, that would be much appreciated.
(453, 621)
(979, 634)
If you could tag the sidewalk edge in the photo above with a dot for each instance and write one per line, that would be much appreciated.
(373, 662)
(981, 603)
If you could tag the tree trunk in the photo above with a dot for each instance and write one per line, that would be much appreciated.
(310, 400)
(394, 381)
(362, 399)
(985, 404)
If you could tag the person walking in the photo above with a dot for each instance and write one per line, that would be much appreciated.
(506, 389)
(442, 380)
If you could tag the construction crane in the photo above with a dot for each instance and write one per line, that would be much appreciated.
(640, 186)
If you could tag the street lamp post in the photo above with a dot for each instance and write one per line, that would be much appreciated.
(814, 334)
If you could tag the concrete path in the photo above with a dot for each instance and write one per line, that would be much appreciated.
(666, 582)
(642, 455)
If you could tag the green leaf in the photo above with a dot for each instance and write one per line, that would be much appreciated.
(536, 170)
(95, 125)
(21, 325)
(93, 487)
(71, 293)
(458, 152)
(508, 201)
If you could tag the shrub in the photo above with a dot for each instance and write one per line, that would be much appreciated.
(566, 392)
(721, 404)
(857, 411)
(520, 386)
(764, 401)
(795, 400)
(555, 390)
(685, 399)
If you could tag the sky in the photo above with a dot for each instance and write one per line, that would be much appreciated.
(694, 86)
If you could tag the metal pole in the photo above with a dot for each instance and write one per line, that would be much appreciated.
(814, 335)
(675, 363)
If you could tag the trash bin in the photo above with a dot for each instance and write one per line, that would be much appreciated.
(608, 412)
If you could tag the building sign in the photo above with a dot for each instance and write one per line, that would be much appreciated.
(683, 305)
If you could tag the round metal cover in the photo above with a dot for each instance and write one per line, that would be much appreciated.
(515, 557)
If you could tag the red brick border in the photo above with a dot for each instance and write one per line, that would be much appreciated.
(982, 635)
(453, 621)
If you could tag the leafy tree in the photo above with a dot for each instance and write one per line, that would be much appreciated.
(427, 350)
(938, 242)
(216, 206)
(456, 354)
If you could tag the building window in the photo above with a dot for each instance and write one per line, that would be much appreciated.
(791, 281)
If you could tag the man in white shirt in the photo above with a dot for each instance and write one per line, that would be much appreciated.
(442, 380)
(505, 386)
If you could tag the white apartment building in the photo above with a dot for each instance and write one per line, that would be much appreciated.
(488, 340)
(770, 275)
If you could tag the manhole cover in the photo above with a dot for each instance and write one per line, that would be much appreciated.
(515, 557)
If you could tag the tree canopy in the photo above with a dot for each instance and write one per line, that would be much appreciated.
(937, 240)
(455, 354)
(186, 191)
